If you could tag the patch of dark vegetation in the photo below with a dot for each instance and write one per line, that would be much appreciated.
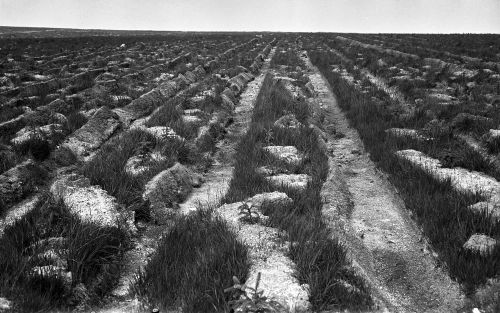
(8, 158)
(432, 202)
(75, 121)
(472, 123)
(19, 182)
(194, 278)
(170, 115)
(63, 156)
(320, 259)
(493, 144)
(288, 57)
(50, 260)
(8, 112)
(36, 146)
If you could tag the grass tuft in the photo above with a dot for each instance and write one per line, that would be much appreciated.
(107, 168)
(194, 278)
(89, 252)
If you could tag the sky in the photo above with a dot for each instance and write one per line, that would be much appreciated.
(374, 16)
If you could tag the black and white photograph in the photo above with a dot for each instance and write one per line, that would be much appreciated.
(250, 156)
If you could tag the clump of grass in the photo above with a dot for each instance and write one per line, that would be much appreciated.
(467, 123)
(320, 259)
(94, 255)
(289, 58)
(183, 129)
(107, 168)
(492, 143)
(36, 146)
(466, 158)
(75, 121)
(410, 88)
(487, 297)
(7, 158)
(9, 112)
(432, 201)
(194, 278)
(212, 103)
(28, 177)
(15, 262)
(182, 151)
(91, 252)
(63, 156)
(208, 142)
(169, 115)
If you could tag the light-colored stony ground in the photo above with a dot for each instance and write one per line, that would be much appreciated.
(268, 256)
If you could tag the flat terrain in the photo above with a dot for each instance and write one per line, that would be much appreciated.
(178, 171)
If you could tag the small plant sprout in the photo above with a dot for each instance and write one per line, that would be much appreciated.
(269, 136)
(251, 300)
(248, 215)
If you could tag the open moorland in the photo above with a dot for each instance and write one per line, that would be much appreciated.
(150, 171)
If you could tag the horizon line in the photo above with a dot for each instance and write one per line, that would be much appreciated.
(245, 31)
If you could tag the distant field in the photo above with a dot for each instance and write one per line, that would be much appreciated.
(337, 171)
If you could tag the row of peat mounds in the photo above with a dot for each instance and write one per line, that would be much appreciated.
(321, 261)
(51, 260)
(450, 120)
(461, 98)
(85, 273)
(440, 210)
(194, 279)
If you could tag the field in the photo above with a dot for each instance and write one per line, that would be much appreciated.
(248, 172)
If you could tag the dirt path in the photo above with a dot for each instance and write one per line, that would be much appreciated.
(365, 211)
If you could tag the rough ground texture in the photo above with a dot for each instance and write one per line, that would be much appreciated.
(90, 203)
(167, 188)
(481, 243)
(14, 183)
(295, 181)
(287, 154)
(90, 136)
(268, 254)
(217, 180)
(364, 210)
(213, 189)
